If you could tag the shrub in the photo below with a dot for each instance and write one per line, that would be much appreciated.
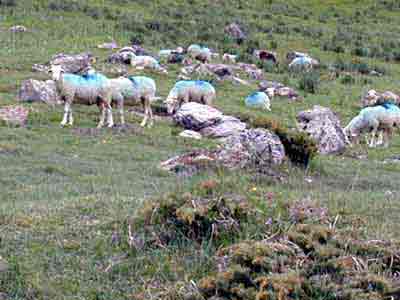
(8, 3)
(309, 82)
(361, 51)
(347, 79)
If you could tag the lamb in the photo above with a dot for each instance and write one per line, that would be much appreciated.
(383, 118)
(189, 90)
(258, 99)
(134, 89)
(202, 54)
(93, 88)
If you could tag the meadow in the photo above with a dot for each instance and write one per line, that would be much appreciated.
(67, 195)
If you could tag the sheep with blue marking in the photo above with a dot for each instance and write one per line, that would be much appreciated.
(131, 90)
(258, 100)
(93, 88)
(377, 119)
(202, 54)
(303, 63)
(190, 91)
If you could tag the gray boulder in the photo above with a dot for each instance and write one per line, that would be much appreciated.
(323, 125)
(73, 63)
(33, 90)
(251, 148)
(196, 116)
(226, 127)
(235, 32)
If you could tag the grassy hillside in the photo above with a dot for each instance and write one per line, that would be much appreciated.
(68, 193)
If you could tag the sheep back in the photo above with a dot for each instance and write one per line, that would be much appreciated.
(85, 89)
(194, 90)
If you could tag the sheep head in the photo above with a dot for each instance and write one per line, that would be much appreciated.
(56, 72)
(171, 102)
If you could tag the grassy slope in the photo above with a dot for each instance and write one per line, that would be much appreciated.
(63, 194)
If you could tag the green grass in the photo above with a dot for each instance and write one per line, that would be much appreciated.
(66, 191)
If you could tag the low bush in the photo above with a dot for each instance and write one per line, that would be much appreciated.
(309, 82)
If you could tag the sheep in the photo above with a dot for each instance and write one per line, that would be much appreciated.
(202, 54)
(258, 99)
(383, 118)
(145, 61)
(372, 98)
(93, 88)
(229, 58)
(303, 62)
(134, 89)
(189, 90)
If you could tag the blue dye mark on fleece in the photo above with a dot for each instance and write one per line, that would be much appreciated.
(95, 80)
(200, 84)
(391, 107)
(142, 82)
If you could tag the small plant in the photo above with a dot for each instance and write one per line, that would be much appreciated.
(347, 79)
(309, 82)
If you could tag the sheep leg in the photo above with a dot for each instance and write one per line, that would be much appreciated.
(67, 107)
(372, 143)
(109, 116)
(380, 138)
(145, 113)
(121, 111)
(102, 115)
(150, 112)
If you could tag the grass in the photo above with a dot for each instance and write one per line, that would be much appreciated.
(67, 194)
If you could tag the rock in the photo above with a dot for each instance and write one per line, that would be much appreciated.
(18, 28)
(324, 127)
(226, 127)
(72, 63)
(190, 134)
(123, 56)
(39, 91)
(250, 148)
(14, 115)
(111, 45)
(265, 84)
(235, 32)
(196, 116)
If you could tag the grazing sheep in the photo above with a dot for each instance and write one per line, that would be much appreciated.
(372, 98)
(93, 88)
(371, 119)
(303, 62)
(189, 90)
(202, 54)
(132, 90)
(259, 100)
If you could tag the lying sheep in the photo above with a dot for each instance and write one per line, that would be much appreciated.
(146, 62)
(189, 91)
(371, 119)
(259, 100)
(93, 88)
(229, 58)
(134, 89)
(202, 54)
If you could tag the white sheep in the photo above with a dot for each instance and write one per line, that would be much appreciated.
(229, 58)
(258, 100)
(132, 90)
(93, 88)
(146, 62)
(190, 90)
(382, 118)
(202, 54)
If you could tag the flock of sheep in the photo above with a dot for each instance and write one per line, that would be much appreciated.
(95, 88)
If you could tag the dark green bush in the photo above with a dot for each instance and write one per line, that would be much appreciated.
(8, 2)
(299, 147)
(347, 79)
